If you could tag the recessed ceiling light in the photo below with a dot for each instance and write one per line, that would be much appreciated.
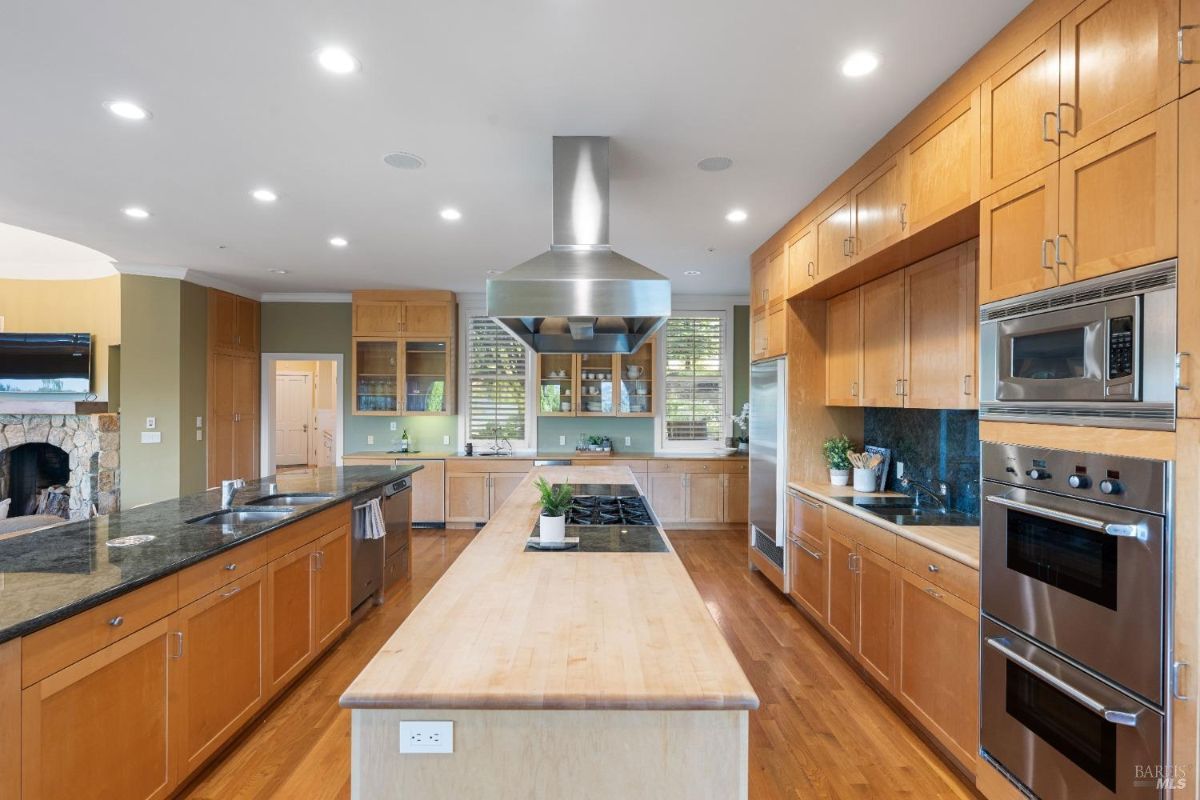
(264, 195)
(715, 163)
(127, 110)
(737, 215)
(450, 214)
(136, 212)
(338, 61)
(691, 272)
(338, 241)
(859, 63)
(404, 161)
(278, 271)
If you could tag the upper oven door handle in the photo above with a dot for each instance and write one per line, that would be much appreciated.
(1127, 718)
(1134, 531)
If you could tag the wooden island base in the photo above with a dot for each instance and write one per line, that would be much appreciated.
(583, 755)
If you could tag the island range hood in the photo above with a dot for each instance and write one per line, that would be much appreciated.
(580, 296)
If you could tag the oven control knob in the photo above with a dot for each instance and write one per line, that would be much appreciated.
(1038, 474)
(1079, 482)
(1110, 486)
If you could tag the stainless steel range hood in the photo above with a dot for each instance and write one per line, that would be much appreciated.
(580, 296)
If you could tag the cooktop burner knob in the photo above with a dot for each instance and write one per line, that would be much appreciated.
(1038, 474)
(1108, 486)
(1079, 482)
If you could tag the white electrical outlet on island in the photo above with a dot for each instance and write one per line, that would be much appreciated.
(426, 736)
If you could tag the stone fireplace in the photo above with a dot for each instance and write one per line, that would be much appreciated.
(71, 463)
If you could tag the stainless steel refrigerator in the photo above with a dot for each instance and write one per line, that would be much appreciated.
(768, 469)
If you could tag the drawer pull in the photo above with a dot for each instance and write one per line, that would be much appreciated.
(813, 553)
(231, 592)
(230, 567)
(178, 644)
(117, 621)
(929, 590)
(934, 568)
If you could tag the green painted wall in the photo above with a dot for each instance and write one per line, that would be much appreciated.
(150, 387)
(193, 386)
(741, 358)
(640, 430)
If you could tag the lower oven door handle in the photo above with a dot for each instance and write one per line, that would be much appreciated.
(1127, 718)
(1134, 531)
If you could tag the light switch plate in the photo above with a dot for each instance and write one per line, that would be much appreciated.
(562, 440)
(199, 422)
(446, 439)
(151, 422)
(151, 437)
(370, 439)
(426, 736)
(628, 441)
(199, 436)
(392, 425)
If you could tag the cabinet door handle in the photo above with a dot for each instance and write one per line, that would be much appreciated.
(936, 595)
(1045, 261)
(1058, 237)
(116, 621)
(904, 387)
(1179, 384)
(812, 553)
(854, 388)
(811, 268)
(178, 644)
(846, 247)
(1058, 118)
(232, 592)
(1177, 687)
(1179, 43)
(896, 388)
(967, 384)
(904, 215)
(1046, 126)
(230, 567)
(934, 568)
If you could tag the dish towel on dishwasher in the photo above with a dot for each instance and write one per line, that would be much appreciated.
(374, 528)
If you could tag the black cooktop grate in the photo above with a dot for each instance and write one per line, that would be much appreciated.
(608, 510)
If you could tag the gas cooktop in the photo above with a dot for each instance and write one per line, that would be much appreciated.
(611, 517)
(609, 510)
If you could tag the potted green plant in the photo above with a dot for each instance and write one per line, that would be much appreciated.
(555, 501)
(837, 458)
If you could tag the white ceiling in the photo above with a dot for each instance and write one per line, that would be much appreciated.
(29, 255)
(475, 87)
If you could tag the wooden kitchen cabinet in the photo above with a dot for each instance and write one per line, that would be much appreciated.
(942, 317)
(217, 675)
(290, 645)
(843, 349)
(1189, 47)
(702, 499)
(802, 261)
(777, 332)
(1017, 227)
(558, 384)
(668, 497)
(1117, 63)
(500, 488)
(883, 342)
(382, 312)
(875, 596)
(841, 608)
(10, 718)
(777, 278)
(376, 318)
(758, 286)
(428, 377)
(233, 323)
(433, 318)
(467, 497)
(760, 337)
(1117, 199)
(376, 365)
(100, 728)
(943, 166)
(635, 381)
(597, 384)
(834, 231)
(233, 414)
(807, 584)
(1188, 395)
(938, 667)
(735, 499)
(878, 206)
(331, 587)
(1017, 115)
(429, 492)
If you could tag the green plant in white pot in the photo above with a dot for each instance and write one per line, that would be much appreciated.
(837, 458)
(555, 501)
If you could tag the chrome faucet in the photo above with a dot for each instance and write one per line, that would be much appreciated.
(939, 492)
(229, 490)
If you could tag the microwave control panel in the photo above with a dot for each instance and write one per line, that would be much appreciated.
(1120, 347)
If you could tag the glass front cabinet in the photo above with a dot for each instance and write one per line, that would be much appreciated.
(596, 385)
(409, 377)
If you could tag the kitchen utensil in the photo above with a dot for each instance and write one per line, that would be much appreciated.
(633, 372)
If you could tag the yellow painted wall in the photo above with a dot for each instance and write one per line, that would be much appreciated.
(90, 306)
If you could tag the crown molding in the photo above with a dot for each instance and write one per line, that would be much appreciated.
(152, 271)
(306, 297)
(185, 274)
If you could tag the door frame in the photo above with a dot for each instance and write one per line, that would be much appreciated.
(310, 417)
(267, 410)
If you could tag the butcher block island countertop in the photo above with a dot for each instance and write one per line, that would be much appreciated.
(565, 674)
(505, 628)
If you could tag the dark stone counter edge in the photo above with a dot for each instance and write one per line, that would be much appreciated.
(99, 598)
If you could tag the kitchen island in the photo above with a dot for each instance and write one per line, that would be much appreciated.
(566, 674)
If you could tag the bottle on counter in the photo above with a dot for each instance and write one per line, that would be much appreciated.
(405, 443)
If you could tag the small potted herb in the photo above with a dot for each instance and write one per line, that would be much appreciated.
(837, 458)
(555, 502)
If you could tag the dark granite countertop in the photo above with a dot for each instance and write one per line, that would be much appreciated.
(54, 573)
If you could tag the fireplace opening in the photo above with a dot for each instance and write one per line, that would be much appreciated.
(38, 474)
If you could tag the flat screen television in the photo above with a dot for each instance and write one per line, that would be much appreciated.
(46, 363)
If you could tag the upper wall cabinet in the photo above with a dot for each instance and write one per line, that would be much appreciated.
(1017, 115)
(1189, 254)
(843, 349)
(1017, 226)
(758, 287)
(390, 313)
(835, 229)
(883, 341)
(943, 166)
(1118, 62)
(234, 322)
(802, 265)
(777, 278)
(877, 208)
(1188, 46)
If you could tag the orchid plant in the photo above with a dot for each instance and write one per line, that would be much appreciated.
(742, 420)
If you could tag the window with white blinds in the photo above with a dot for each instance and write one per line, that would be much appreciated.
(694, 373)
(497, 382)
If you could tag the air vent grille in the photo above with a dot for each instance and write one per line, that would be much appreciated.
(1139, 281)
(1116, 417)
(766, 545)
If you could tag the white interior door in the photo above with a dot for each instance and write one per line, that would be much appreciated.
(293, 415)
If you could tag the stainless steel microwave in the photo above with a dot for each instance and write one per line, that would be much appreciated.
(1098, 352)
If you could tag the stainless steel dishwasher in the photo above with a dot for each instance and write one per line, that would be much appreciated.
(377, 564)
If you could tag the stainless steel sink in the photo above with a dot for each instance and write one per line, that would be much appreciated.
(236, 516)
(291, 500)
(903, 511)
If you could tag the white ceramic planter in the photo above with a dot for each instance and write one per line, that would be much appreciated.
(864, 480)
(552, 529)
(839, 477)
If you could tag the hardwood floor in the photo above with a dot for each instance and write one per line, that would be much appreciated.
(820, 732)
